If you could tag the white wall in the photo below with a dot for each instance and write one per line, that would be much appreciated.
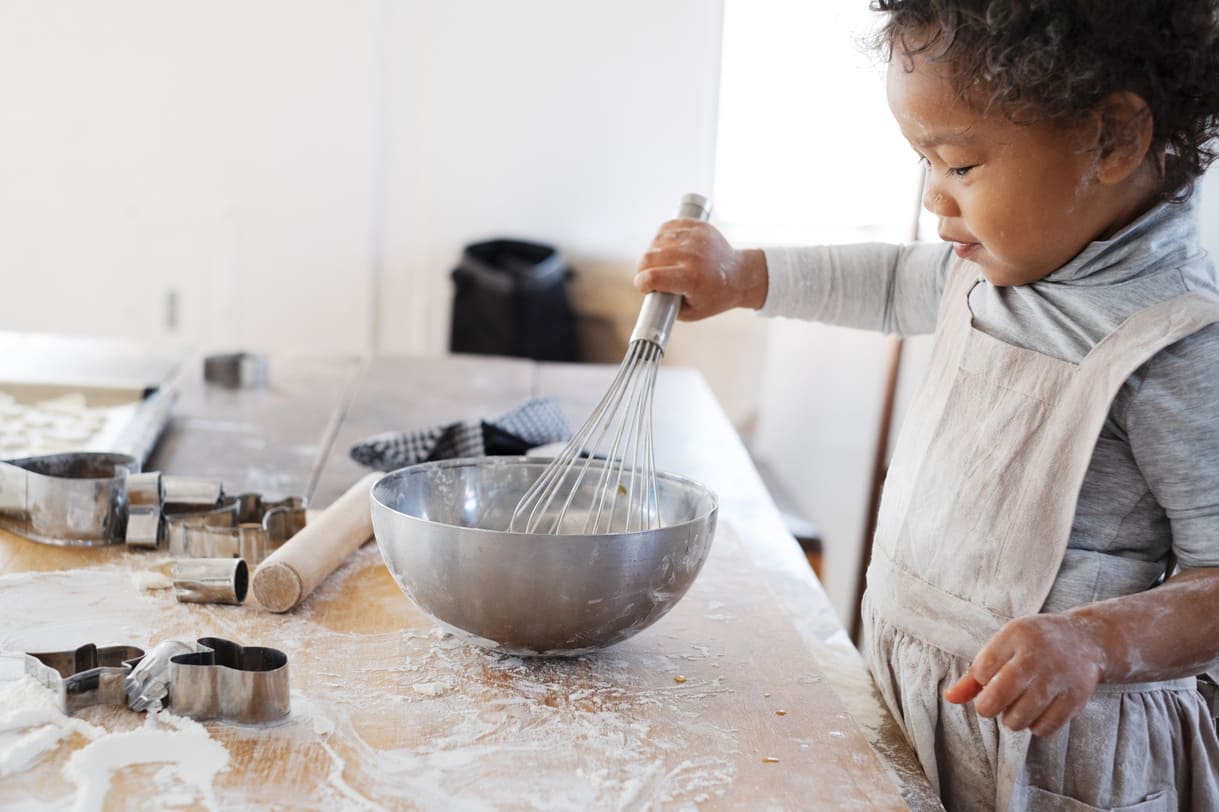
(218, 152)
(301, 174)
(580, 124)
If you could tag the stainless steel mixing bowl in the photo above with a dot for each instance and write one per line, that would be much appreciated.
(440, 527)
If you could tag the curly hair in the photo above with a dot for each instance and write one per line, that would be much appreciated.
(1061, 58)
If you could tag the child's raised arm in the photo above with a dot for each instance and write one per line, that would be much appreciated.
(870, 286)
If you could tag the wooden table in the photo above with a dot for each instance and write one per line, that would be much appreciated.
(746, 696)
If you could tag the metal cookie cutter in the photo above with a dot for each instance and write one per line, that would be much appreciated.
(219, 680)
(150, 494)
(244, 526)
(211, 580)
(238, 370)
(86, 499)
(147, 684)
(196, 519)
(78, 499)
(84, 676)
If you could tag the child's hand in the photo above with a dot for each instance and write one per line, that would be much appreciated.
(693, 259)
(1037, 671)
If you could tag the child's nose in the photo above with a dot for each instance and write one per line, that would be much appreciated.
(938, 203)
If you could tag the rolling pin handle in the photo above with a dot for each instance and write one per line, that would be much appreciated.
(290, 573)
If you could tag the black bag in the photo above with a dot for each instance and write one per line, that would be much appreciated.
(511, 299)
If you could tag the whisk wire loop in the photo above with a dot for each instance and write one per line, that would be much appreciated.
(564, 472)
(615, 444)
(621, 479)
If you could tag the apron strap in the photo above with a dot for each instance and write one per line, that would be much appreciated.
(1210, 693)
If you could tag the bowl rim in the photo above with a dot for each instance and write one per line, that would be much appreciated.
(512, 460)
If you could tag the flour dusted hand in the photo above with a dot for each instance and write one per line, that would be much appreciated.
(1037, 672)
(693, 259)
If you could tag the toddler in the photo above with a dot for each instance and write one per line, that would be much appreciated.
(1044, 589)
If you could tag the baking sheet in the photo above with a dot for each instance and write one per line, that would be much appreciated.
(47, 418)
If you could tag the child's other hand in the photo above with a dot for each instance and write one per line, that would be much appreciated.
(693, 259)
(1038, 672)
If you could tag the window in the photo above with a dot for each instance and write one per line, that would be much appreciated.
(807, 151)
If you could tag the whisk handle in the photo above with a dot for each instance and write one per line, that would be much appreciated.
(656, 317)
(659, 310)
(695, 207)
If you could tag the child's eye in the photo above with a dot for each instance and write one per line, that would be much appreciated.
(960, 171)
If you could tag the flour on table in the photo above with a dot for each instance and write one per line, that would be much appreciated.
(183, 744)
(307, 712)
(432, 689)
(32, 727)
(151, 580)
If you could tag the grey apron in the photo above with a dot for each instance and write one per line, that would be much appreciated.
(973, 527)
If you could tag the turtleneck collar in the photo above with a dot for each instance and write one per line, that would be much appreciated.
(1165, 235)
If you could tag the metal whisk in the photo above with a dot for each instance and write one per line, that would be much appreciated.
(604, 479)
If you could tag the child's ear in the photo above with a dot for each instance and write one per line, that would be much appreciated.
(1123, 129)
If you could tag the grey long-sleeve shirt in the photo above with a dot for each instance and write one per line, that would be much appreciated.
(1151, 493)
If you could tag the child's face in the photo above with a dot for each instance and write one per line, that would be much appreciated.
(1019, 200)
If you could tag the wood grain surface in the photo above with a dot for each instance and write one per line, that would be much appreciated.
(718, 705)
(391, 711)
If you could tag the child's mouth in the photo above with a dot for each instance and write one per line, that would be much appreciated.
(964, 249)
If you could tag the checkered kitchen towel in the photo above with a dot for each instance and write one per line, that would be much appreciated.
(533, 423)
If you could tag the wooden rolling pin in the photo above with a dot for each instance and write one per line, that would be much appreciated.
(289, 574)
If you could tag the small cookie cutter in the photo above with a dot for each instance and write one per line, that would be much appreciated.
(243, 526)
(150, 494)
(219, 680)
(211, 580)
(196, 519)
(84, 676)
(237, 370)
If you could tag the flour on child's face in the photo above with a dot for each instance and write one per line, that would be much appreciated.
(1019, 200)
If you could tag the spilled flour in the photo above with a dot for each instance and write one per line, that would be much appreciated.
(389, 710)
(149, 580)
(183, 744)
(32, 727)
